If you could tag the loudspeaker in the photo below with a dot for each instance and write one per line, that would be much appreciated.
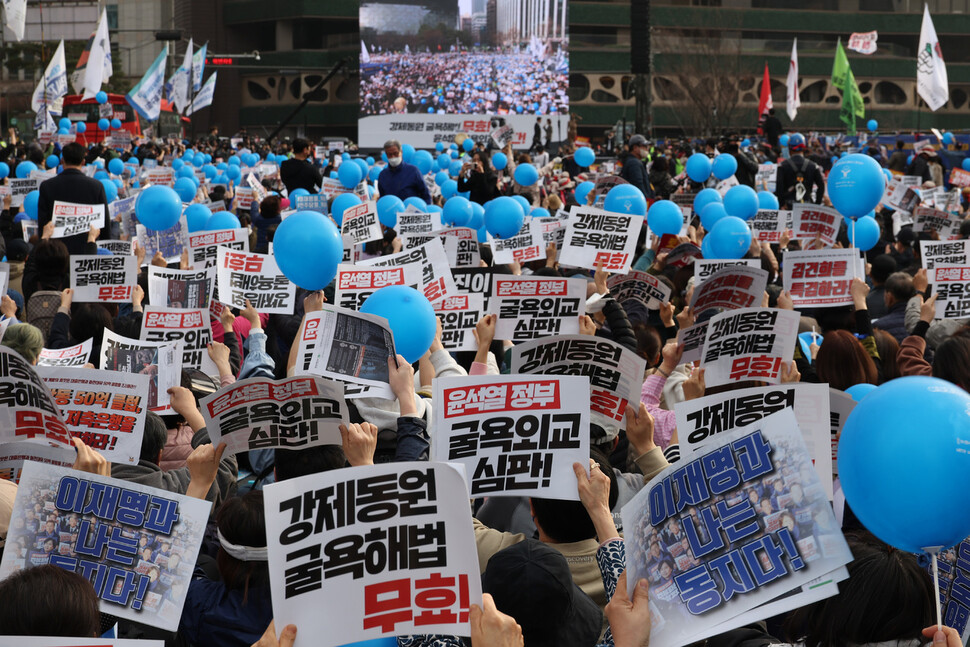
(640, 36)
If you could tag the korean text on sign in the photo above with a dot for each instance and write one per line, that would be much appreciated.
(820, 278)
(533, 307)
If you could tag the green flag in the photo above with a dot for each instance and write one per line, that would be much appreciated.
(844, 80)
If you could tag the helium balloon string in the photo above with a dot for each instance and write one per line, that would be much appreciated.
(852, 242)
(936, 589)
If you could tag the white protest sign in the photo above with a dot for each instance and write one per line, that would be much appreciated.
(247, 276)
(71, 356)
(536, 306)
(700, 421)
(749, 344)
(122, 207)
(929, 219)
(355, 283)
(841, 404)
(458, 316)
(161, 360)
(413, 221)
(116, 247)
(615, 373)
(704, 268)
(360, 223)
(765, 178)
(168, 242)
(951, 284)
(523, 247)
(381, 588)
(864, 43)
(27, 409)
(595, 237)
(784, 535)
(93, 528)
(105, 279)
(820, 278)
(730, 288)
(461, 247)
(768, 225)
(204, 245)
(20, 187)
(811, 221)
(258, 413)
(14, 454)
(954, 252)
(72, 219)
(692, 339)
(638, 292)
(105, 409)
(189, 327)
(516, 435)
(436, 279)
(188, 289)
(161, 175)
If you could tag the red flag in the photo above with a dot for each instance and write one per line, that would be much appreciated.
(764, 104)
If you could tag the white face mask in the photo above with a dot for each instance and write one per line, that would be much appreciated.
(395, 161)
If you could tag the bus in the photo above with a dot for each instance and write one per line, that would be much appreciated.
(170, 123)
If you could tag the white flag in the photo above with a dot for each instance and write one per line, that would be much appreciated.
(931, 83)
(198, 66)
(15, 16)
(146, 96)
(53, 85)
(204, 97)
(364, 56)
(793, 101)
(182, 80)
(98, 67)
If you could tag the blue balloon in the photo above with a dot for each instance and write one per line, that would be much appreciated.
(98, 164)
(911, 509)
(220, 179)
(706, 250)
(444, 160)
(417, 203)
(410, 317)
(295, 193)
(4, 170)
(101, 97)
(457, 211)
(340, 204)
(745, 142)
(80, 127)
(222, 220)
(185, 171)
(665, 217)
(783, 140)
(177, 164)
(724, 166)
(741, 201)
(233, 173)
(374, 173)
(424, 161)
(468, 144)
(698, 167)
(387, 208)
(103, 124)
(345, 157)
(478, 217)
(703, 198)
(349, 175)
(308, 248)
(24, 169)
(116, 124)
(864, 233)
(158, 207)
(198, 160)
(525, 204)
(711, 214)
(30, 204)
(196, 217)
(441, 177)
(948, 138)
(110, 190)
(504, 217)
(859, 391)
(63, 131)
(448, 189)
(584, 156)
(53, 161)
(626, 198)
(454, 168)
(499, 161)
(526, 174)
(539, 212)
(209, 171)
(407, 153)
(767, 200)
(872, 125)
(104, 252)
(581, 193)
(185, 188)
(433, 208)
(116, 166)
(731, 237)
(222, 166)
(235, 160)
(101, 175)
(965, 164)
(857, 186)
(439, 146)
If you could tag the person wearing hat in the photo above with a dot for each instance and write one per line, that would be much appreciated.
(633, 170)
(798, 176)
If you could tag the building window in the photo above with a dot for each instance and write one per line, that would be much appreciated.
(112, 11)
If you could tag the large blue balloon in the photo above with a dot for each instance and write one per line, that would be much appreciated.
(158, 207)
(116, 124)
(665, 217)
(116, 166)
(584, 156)
(965, 164)
(185, 188)
(103, 124)
(948, 139)
(455, 168)
(859, 391)
(110, 190)
(349, 175)
(296, 193)
(449, 189)
(222, 220)
(209, 171)
(724, 166)
(53, 161)
(417, 203)
(374, 173)
(410, 316)
(233, 172)
(177, 164)
(101, 97)
(767, 200)
(24, 169)
(478, 217)
(504, 217)
(704, 197)
(857, 186)
(706, 250)
(457, 211)
(499, 161)
(64, 123)
(539, 212)
(196, 217)
(783, 140)
(101, 175)
(741, 201)
(387, 208)
(581, 193)
(872, 125)
(5, 170)
(730, 238)
(80, 127)
(185, 171)
(30, 204)
(911, 509)
(698, 167)
(526, 174)
(468, 144)
(626, 198)
(340, 204)
(444, 161)
(308, 248)
(864, 233)
(441, 177)
(525, 204)
(407, 153)
(424, 161)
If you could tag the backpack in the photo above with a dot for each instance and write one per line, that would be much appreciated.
(801, 171)
(41, 308)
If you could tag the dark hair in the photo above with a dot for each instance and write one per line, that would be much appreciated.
(242, 521)
(659, 165)
(300, 145)
(155, 438)
(53, 262)
(49, 601)
(843, 362)
(888, 597)
(882, 267)
(900, 285)
(291, 464)
(952, 359)
(888, 348)
(568, 521)
(73, 154)
(90, 320)
(649, 343)
(270, 206)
